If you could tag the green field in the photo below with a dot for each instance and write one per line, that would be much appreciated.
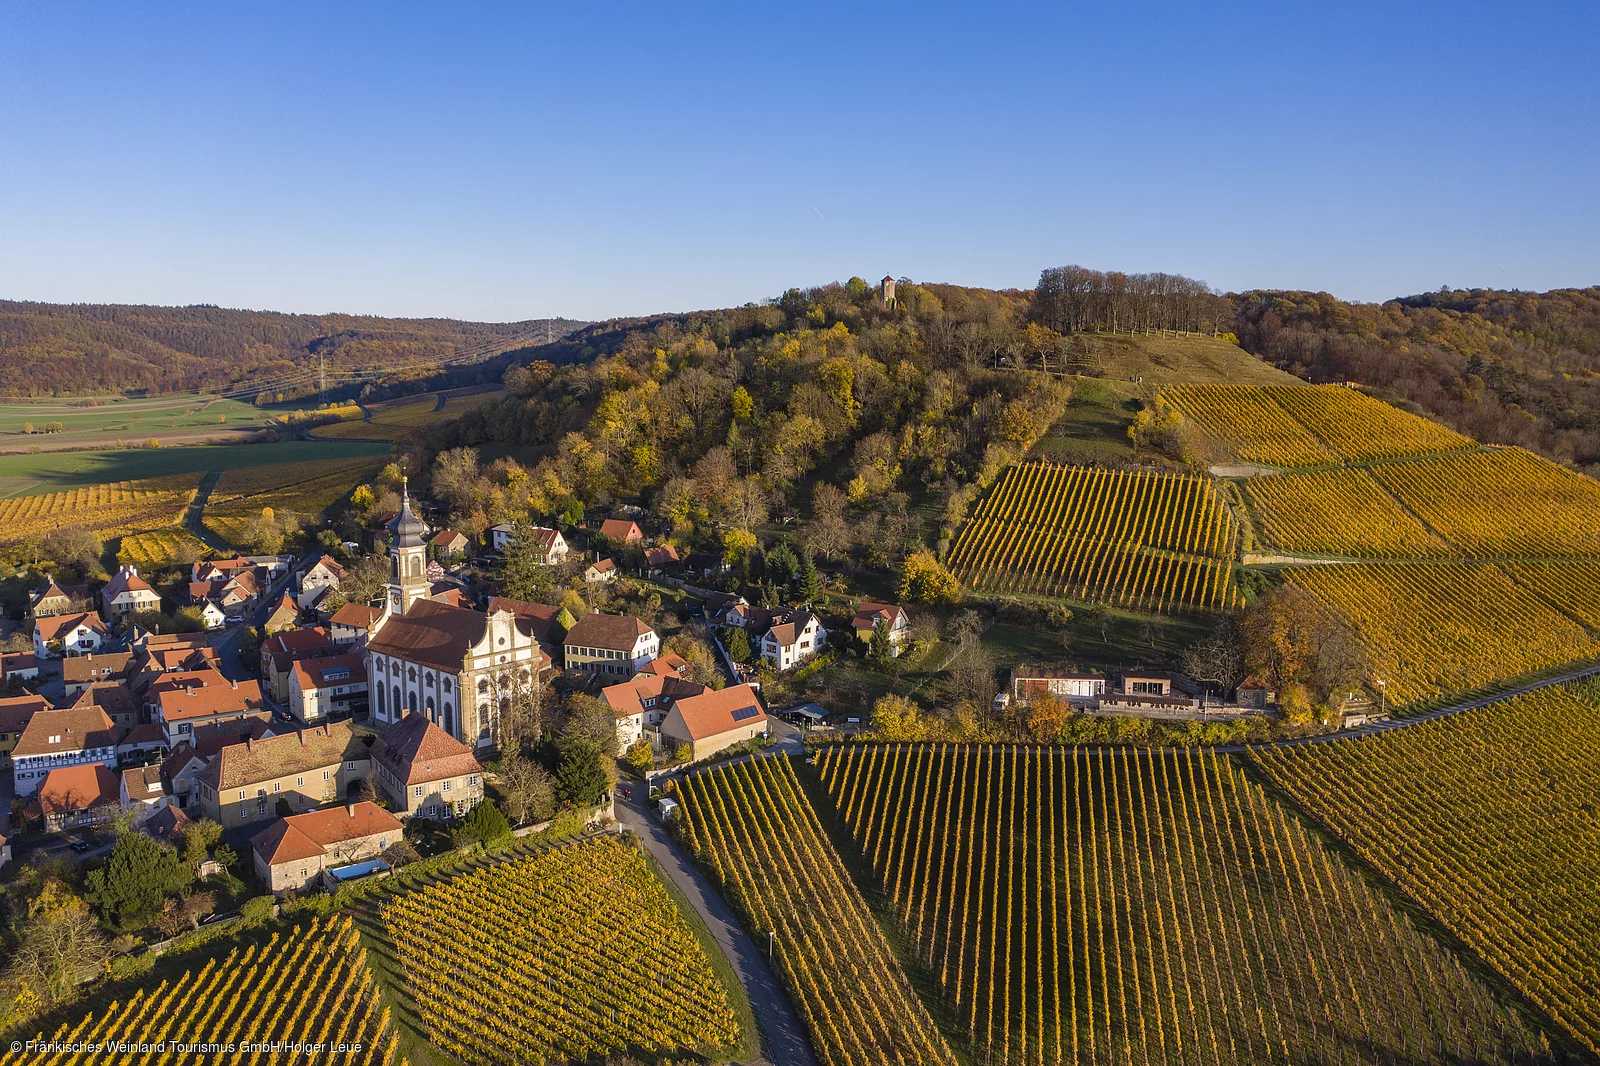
(393, 420)
(25, 475)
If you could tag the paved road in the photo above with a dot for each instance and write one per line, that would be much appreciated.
(783, 1038)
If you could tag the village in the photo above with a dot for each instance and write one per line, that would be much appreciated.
(352, 727)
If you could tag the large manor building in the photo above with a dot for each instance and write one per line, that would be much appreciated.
(455, 666)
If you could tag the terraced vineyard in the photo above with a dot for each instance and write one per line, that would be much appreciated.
(1437, 630)
(1505, 502)
(160, 547)
(312, 987)
(572, 954)
(397, 419)
(1312, 425)
(1338, 512)
(752, 826)
(1159, 542)
(1487, 818)
(1115, 906)
(110, 510)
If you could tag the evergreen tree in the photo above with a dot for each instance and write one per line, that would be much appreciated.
(782, 565)
(738, 645)
(138, 876)
(581, 777)
(485, 824)
(881, 652)
(522, 573)
(808, 585)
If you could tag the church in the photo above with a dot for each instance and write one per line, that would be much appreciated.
(456, 666)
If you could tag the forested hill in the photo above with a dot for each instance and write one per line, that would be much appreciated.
(1504, 367)
(56, 349)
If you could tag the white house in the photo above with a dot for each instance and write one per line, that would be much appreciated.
(328, 685)
(791, 643)
(211, 615)
(601, 571)
(870, 614)
(79, 736)
(554, 544)
(324, 574)
(126, 594)
(68, 634)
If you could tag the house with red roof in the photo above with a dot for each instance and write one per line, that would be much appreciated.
(68, 634)
(293, 852)
(74, 796)
(447, 543)
(127, 594)
(714, 720)
(621, 531)
(425, 772)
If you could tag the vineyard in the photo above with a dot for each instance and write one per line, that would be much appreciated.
(161, 547)
(1297, 425)
(1487, 818)
(306, 489)
(1338, 512)
(753, 827)
(111, 510)
(396, 420)
(1505, 502)
(1159, 542)
(1435, 630)
(1113, 906)
(574, 953)
(311, 987)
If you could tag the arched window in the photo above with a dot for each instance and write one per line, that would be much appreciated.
(483, 685)
(447, 684)
(411, 674)
(398, 706)
(449, 725)
(381, 712)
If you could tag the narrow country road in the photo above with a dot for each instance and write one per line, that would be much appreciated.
(192, 518)
(783, 1038)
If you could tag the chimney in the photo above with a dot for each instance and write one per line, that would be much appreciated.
(236, 685)
(249, 743)
(350, 808)
(302, 735)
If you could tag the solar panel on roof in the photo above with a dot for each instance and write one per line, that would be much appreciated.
(745, 712)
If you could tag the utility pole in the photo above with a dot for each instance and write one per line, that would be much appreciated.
(322, 377)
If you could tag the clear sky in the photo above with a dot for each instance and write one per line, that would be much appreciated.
(518, 160)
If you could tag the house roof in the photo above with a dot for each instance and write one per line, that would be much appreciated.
(704, 560)
(715, 712)
(447, 536)
(603, 566)
(670, 664)
(355, 616)
(721, 601)
(58, 732)
(212, 737)
(144, 734)
(787, 633)
(16, 661)
(313, 673)
(56, 627)
(620, 529)
(308, 835)
(627, 698)
(15, 711)
(661, 555)
(167, 824)
(615, 632)
(1044, 673)
(143, 783)
(79, 788)
(48, 591)
(430, 634)
(112, 697)
(328, 564)
(546, 536)
(868, 614)
(240, 765)
(449, 593)
(286, 603)
(417, 751)
(179, 761)
(78, 669)
(539, 616)
(207, 701)
(125, 580)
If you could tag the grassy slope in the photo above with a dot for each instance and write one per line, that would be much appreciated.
(1175, 360)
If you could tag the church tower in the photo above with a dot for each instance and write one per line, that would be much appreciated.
(408, 559)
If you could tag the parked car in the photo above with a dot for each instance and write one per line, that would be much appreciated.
(234, 619)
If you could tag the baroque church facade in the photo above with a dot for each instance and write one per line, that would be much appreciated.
(456, 666)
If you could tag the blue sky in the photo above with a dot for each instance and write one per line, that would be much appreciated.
(514, 161)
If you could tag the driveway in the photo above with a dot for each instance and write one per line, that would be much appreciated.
(783, 1037)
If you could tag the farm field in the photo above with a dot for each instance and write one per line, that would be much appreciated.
(23, 475)
(392, 421)
(1434, 630)
(312, 986)
(110, 510)
(573, 953)
(1115, 906)
(752, 826)
(103, 420)
(1297, 426)
(1338, 512)
(1159, 542)
(1486, 818)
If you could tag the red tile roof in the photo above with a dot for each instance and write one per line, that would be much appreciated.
(239, 765)
(417, 751)
(355, 616)
(711, 713)
(79, 788)
(313, 673)
(208, 701)
(15, 711)
(661, 555)
(57, 626)
(305, 836)
(430, 634)
(868, 613)
(614, 632)
(620, 529)
(58, 732)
